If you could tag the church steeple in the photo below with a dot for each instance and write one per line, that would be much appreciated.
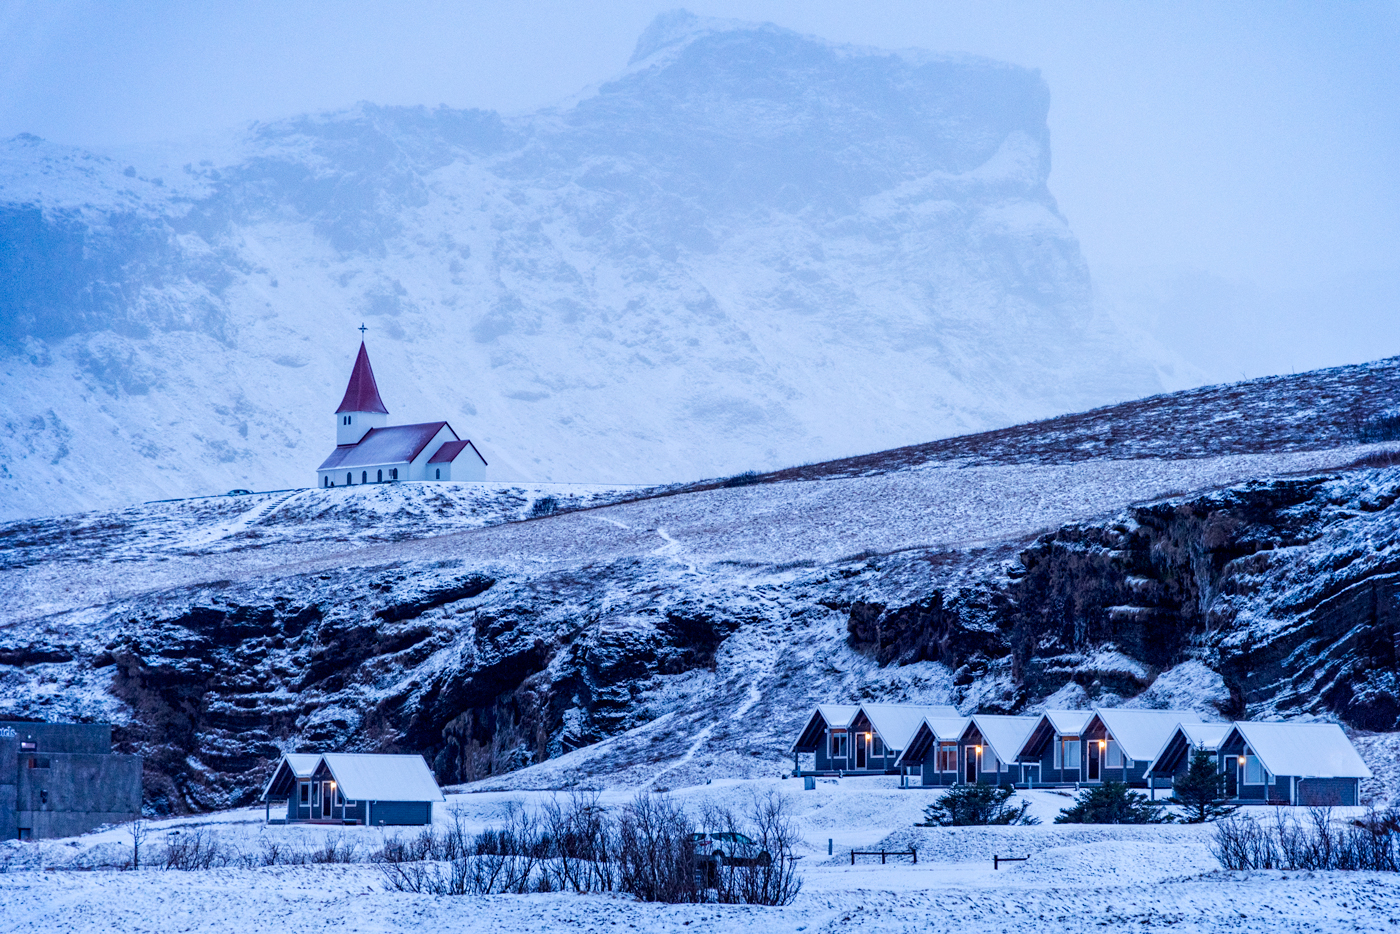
(361, 409)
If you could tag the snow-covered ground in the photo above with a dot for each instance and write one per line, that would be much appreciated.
(72, 563)
(1076, 878)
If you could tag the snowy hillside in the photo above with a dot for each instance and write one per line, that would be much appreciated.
(750, 249)
(673, 634)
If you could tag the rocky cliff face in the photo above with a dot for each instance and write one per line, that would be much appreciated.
(1269, 598)
(751, 248)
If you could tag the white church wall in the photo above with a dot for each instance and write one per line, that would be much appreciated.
(420, 469)
(350, 427)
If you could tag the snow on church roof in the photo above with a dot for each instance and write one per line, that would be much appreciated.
(397, 444)
(362, 394)
(449, 451)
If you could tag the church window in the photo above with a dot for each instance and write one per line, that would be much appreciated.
(439, 473)
(364, 476)
(349, 478)
(325, 481)
(393, 473)
(379, 476)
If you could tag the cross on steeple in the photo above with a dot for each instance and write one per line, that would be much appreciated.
(363, 329)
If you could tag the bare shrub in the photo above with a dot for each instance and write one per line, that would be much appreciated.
(762, 871)
(335, 848)
(1316, 841)
(580, 844)
(500, 860)
(656, 851)
(196, 849)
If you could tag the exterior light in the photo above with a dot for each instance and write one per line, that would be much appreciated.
(1103, 743)
(1241, 760)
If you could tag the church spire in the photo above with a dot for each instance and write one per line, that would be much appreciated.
(362, 395)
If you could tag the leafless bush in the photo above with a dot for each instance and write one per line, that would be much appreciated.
(195, 849)
(335, 848)
(764, 873)
(580, 844)
(501, 860)
(1317, 841)
(656, 851)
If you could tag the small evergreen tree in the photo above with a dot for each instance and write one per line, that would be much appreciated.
(1201, 791)
(976, 805)
(1113, 803)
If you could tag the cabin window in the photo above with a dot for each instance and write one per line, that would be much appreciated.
(838, 745)
(439, 474)
(1067, 754)
(1115, 755)
(339, 799)
(364, 476)
(878, 747)
(948, 758)
(305, 788)
(990, 762)
(393, 473)
(379, 476)
(1253, 770)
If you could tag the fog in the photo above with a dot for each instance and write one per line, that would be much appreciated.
(1229, 169)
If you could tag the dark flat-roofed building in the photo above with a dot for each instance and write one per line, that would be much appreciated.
(62, 779)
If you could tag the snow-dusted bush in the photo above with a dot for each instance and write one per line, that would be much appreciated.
(976, 806)
(769, 875)
(1318, 841)
(656, 851)
(1113, 803)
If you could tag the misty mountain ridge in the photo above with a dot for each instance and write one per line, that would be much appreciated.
(751, 249)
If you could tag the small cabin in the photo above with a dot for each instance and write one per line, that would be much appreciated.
(865, 740)
(352, 788)
(933, 753)
(1120, 743)
(991, 745)
(1306, 764)
(1174, 759)
(1050, 754)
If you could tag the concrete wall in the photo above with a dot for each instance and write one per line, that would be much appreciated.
(72, 793)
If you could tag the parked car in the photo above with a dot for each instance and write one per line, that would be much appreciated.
(729, 849)
(239, 493)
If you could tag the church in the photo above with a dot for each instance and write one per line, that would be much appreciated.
(369, 451)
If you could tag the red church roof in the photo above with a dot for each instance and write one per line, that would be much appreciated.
(397, 444)
(362, 395)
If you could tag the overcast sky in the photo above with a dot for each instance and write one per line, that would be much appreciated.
(1257, 141)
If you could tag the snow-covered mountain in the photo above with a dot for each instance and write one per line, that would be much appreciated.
(752, 248)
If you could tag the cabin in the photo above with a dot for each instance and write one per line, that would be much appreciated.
(932, 755)
(865, 740)
(351, 788)
(1175, 756)
(1306, 764)
(824, 738)
(1051, 753)
(1120, 743)
(990, 748)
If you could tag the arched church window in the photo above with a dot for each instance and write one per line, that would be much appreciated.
(325, 481)
(393, 473)
(349, 479)
(379, 476)
(439, 473)
(364, 476)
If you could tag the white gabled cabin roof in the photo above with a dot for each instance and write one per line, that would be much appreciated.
(1006, 735)
(897, 723)
(1142, 733)
(834, 716)
(1206, 736)
(299, 764)
(377, 777)
(1307, 750)
(1069, 722)
(947, 729)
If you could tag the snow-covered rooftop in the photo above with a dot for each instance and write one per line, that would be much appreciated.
(897, 723)
(1143, 733)
(1307, 750)
(397, 444)
(374, 777)
(1006, 735)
